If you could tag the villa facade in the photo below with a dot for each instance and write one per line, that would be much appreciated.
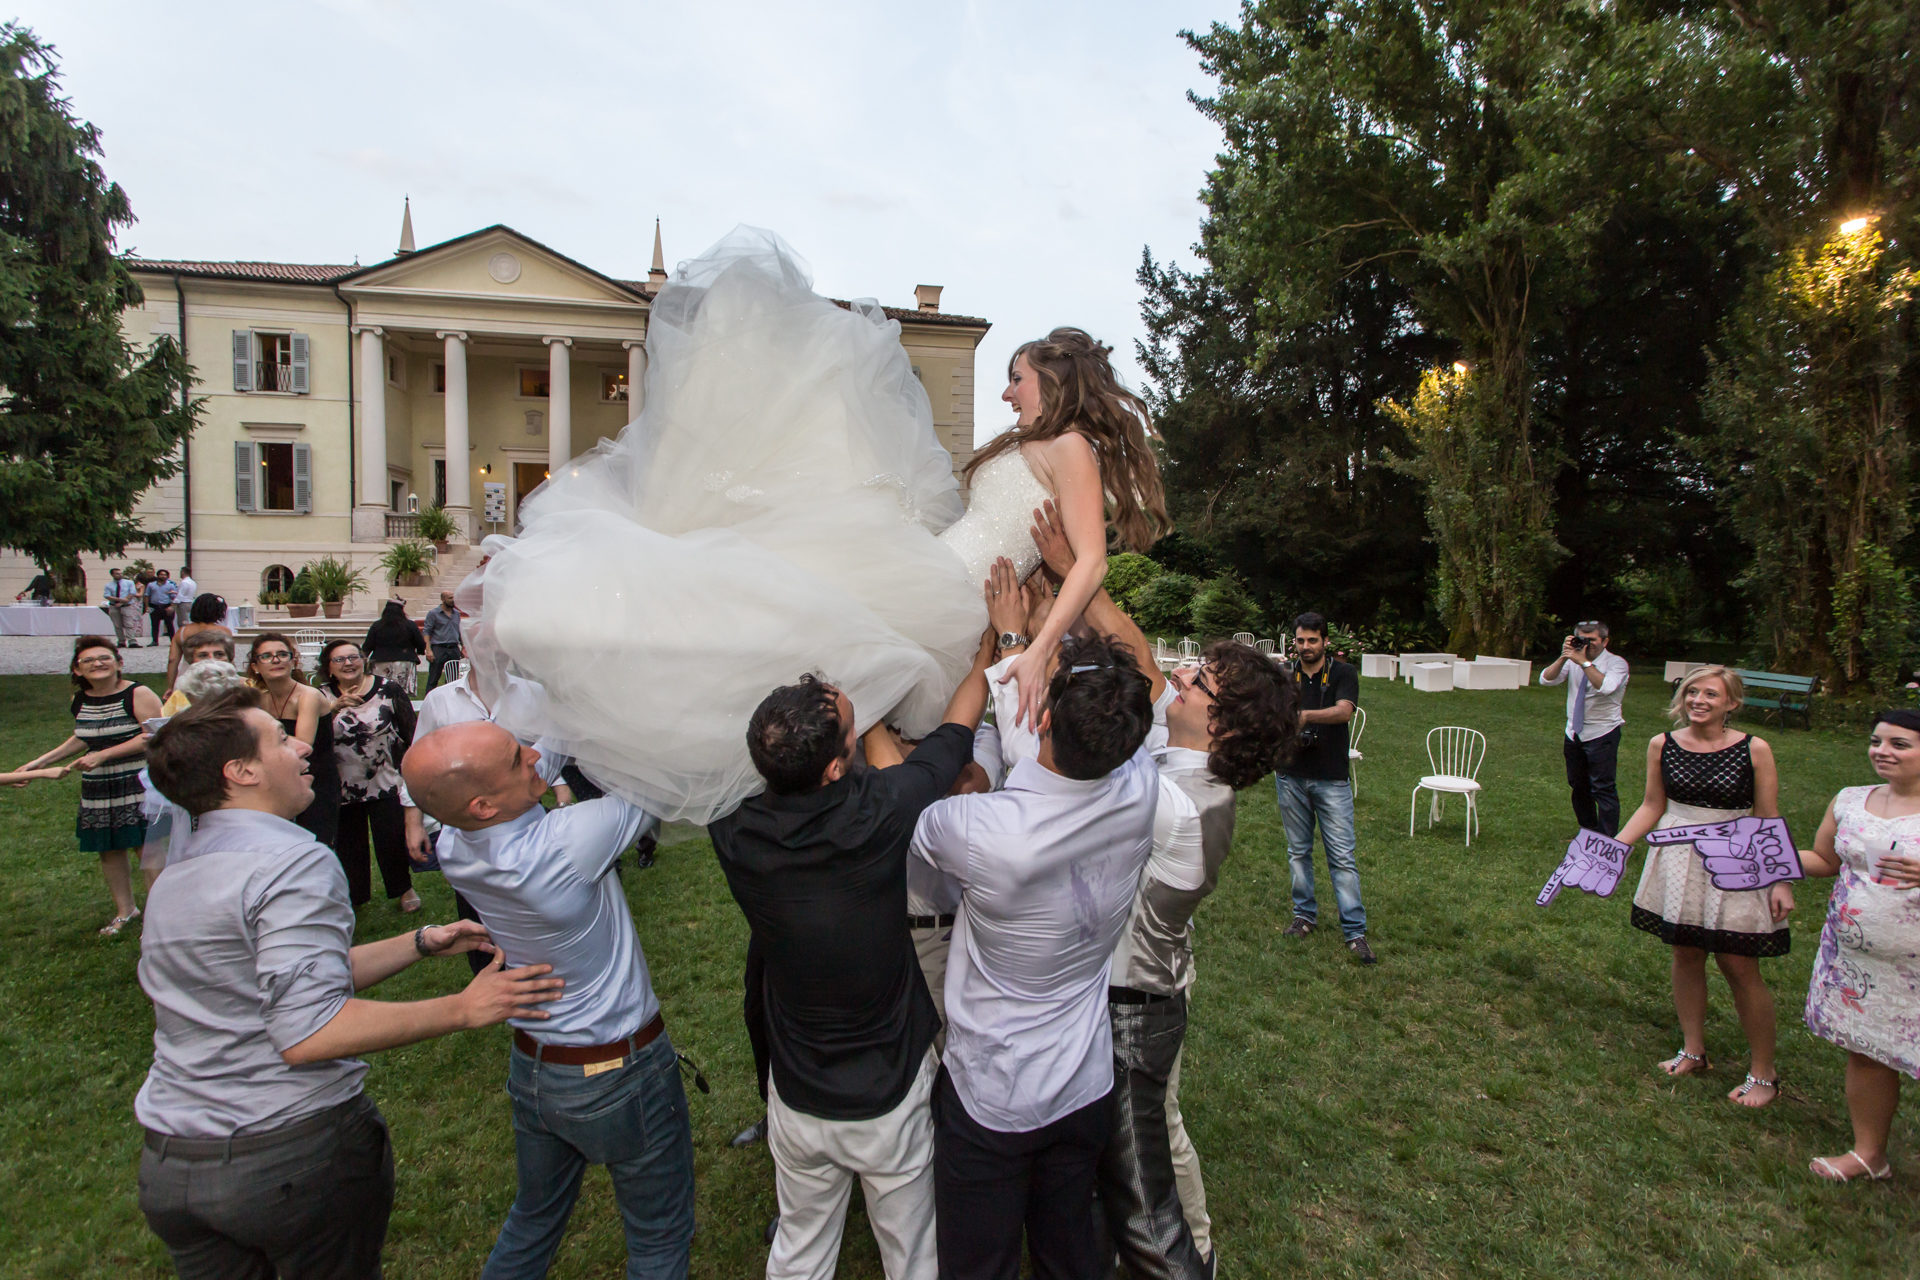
(341, 400)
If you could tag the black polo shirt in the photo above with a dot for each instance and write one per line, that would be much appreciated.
(822, 880)
(1324, 758)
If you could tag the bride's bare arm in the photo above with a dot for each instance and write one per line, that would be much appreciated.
(1073, 473)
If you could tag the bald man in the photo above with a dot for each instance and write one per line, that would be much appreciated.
(597, 1081)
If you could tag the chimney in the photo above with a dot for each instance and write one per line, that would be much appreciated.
(406, 227)
(928, 296)
(657, 273)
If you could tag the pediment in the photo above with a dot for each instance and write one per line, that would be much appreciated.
(496, 262)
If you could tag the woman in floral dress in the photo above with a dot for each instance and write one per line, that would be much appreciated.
(1865, 994)
(372, 728)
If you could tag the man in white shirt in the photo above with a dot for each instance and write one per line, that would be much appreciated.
(188, 590)
(1596, 680)
(1047, 868)
(598, 1081)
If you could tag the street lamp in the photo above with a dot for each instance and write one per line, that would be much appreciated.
(1854, 226)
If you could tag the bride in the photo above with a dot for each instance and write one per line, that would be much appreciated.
(781, 505)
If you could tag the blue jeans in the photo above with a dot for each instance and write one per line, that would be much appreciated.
(1303, 802)
(634, 1121)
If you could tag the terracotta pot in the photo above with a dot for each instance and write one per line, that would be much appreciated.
(443, 547)
(412, 580)
(302, 610)
(332, 608)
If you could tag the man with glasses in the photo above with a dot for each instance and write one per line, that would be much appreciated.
(1596, 680)
(1315, 789)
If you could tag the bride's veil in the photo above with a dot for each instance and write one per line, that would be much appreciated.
(771, 511)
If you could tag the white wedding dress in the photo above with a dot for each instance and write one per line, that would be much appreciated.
(781, 505)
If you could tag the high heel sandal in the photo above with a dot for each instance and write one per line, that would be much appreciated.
(1672, 1066)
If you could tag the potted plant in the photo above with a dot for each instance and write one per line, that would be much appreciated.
(303, 599)
(408, 562)
(335, 580)
(436, 526)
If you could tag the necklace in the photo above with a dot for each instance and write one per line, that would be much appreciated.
(280, 711)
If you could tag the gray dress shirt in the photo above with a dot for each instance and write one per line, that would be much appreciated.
(544, 884)
(1047, 869)
(244, 954)
(442, 625)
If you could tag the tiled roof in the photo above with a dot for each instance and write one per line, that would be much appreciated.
(266, 272)
(327, 273)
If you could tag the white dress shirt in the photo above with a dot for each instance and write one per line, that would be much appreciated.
(1603, 714)
(545, 886)
(455, 702)
(1047, 869)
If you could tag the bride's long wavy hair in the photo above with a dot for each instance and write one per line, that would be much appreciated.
(1079, 392)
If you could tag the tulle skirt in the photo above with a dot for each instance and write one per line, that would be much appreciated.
(772, 511)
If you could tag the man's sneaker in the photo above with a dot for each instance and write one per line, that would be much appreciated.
(1361, 951)
(1300, 928)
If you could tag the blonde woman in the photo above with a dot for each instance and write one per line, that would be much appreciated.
(1706, 771)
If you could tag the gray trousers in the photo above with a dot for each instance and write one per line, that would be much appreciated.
(1137, 1186)
(308, 1202)
(126, 621)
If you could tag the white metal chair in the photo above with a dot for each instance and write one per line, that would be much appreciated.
(1355, 728)
(455, 669)
(310, 635)
(1189, 648)
(1264, 646)
(1455, 761)
(1243, 637)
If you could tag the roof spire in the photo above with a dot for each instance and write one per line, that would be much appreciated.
(657, 274)
(406, 226)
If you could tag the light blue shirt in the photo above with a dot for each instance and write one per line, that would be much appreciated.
(244, 952)
(159, 592)
(120, 588)
(544, 884)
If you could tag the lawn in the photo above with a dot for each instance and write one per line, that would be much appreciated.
(1484, 1102)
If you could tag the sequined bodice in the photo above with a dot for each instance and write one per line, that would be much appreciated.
(999, 518)
(1720, 779)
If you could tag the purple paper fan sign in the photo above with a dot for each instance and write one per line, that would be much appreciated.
(1742, 853)
(1594, 862)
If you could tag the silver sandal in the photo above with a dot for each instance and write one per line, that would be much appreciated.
(1753, 1082)
(1684, 1056)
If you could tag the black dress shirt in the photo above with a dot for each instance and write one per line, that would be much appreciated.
(1323, 747)
(822, 880)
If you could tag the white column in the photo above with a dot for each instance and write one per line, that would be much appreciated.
(459, 459)
(559, 403)
(371, 526)
(636, 376)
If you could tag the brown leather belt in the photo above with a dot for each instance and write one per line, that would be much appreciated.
(586, 1055)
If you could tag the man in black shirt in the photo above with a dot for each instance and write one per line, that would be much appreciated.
(1314, 787)
(818, 864)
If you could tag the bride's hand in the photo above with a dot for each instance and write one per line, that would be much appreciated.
(1030, 670)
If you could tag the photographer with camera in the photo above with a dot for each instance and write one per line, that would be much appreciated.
(1316, 790)
(1597, 687)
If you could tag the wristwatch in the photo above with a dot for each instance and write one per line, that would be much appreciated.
(1012, 640)
(1585, 666)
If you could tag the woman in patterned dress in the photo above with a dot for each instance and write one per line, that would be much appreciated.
(1706, 771)
(372, 728)
(107, 713)
(1865, 993)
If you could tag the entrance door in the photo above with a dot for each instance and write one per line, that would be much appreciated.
(527, 476)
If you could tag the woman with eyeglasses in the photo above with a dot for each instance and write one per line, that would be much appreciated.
(372, 728)
(273, 665)
(107, 712)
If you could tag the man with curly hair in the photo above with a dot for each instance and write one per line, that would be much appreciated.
(1219, 727)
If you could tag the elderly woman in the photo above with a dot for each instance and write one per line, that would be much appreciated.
(1707, 771)
(1865, 993)
(206, 616)
(107, 713)
(372, 729)
(209, 671)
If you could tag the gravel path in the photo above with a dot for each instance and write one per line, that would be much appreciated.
(53, 656)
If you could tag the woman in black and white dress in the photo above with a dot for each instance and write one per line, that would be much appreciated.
(372, 728)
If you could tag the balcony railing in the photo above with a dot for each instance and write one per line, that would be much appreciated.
(402, 526)
(272, 377)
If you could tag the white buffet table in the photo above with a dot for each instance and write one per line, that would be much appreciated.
(54, 620)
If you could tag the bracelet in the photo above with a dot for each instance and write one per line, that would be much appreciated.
(420, 940)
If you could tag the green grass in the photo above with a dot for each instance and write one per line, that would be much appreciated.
(1482, 1103)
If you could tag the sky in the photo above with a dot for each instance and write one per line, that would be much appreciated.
(1019, 155)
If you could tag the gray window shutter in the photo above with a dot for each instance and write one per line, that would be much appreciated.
(245, 482)
(243, 360)
(299, 364)
(302, 467)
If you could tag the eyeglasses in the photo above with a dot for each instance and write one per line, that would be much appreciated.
(1198, 679)
(102, 661)
(344, 660)
(277, 655)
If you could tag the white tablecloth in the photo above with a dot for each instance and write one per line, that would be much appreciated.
(54, 620)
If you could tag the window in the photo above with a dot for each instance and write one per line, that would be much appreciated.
(396, 370)
(277, 578)
(396, 495)
(439, 378)
(270, 361)
(439, 482)
(534, 383)
(613, 387)
(273, 475)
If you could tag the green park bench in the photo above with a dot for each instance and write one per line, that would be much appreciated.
(1781, 694)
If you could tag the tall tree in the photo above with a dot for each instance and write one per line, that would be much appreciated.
(87, 424)
(1447, 150)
